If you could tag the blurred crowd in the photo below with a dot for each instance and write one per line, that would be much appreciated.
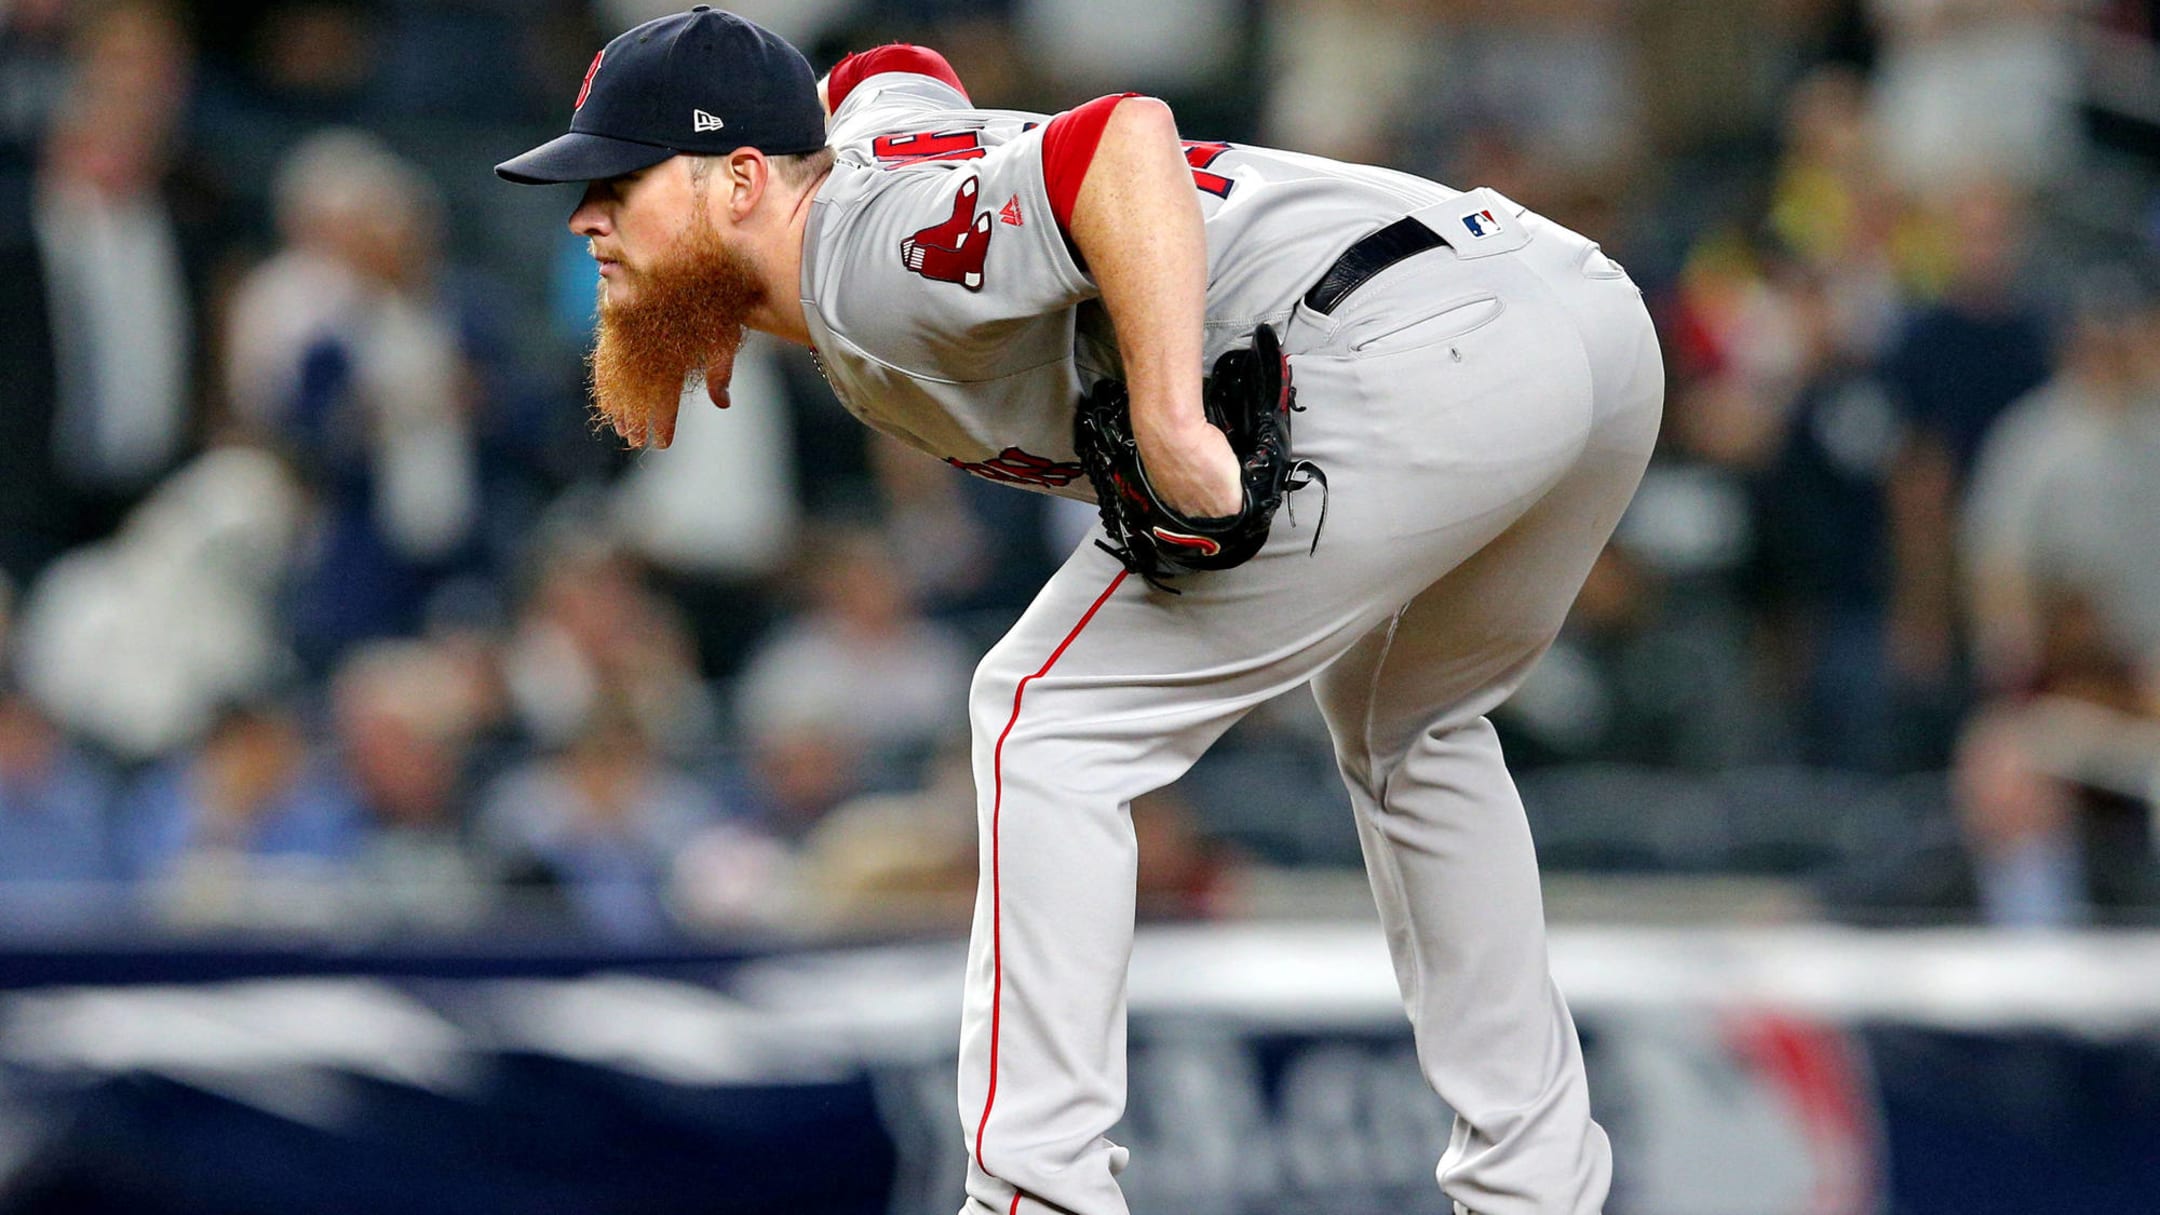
(323, 610)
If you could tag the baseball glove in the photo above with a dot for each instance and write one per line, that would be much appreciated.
(1250, 399)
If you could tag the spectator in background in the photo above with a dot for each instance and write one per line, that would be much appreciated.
(2053, 439)
(1680, 578)
(324, 190)
(896, 860)
(1736, 351)
(1711, 74)
(404, 714)
(467, 629)
(1954, 368)
(939, 539)
(861, 661)
(736, 465)
(1833, 210)
(305, 61)
(235, 832)
(1962, 358)
(1975, 90)
(1339, 74)
(891, 861)
(1179, 52)
(103, 326)
(1825, 552)
(861, 673)
(798, 773)
(33, 69)
(56, 859)
(134, 643)
(596, 828)
(1645, 671)
(591, 632)
(2028, 850)
(2064, 540)
(53, 837)
(365, 834)
(2093, 521)
(1537, 98)
(345, 351)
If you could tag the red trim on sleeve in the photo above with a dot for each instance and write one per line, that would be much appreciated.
(1069, 147)
(895, 57)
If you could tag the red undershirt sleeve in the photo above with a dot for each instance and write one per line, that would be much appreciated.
(1069, 147)
(896, 57)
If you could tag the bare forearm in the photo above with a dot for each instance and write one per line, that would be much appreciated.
(1137, 224)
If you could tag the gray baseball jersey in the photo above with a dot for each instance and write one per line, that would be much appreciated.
(949, 310)
(1483, 409)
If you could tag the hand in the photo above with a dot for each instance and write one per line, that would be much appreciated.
(1193, 470)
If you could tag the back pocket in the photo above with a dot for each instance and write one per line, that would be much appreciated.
(1454, 319)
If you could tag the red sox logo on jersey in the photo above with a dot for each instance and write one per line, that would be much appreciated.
(1016, 467)
(952, 250)
(585, 89)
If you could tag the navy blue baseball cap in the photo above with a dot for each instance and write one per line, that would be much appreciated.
(704, 82)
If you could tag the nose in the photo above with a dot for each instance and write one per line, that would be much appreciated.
(591, 217)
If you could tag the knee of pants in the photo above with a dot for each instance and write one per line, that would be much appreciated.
(1010, 716)
(1042, 735)
(991, 694)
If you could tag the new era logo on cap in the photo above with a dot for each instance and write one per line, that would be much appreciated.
(702, 121)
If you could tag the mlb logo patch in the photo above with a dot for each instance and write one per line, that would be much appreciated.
(1477, 223)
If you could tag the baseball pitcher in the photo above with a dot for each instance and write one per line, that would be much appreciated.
(1346, 428)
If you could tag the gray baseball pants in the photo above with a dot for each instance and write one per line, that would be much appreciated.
(1483, 422)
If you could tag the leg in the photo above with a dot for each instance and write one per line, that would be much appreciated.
(1106, 690)
(1448, 850)
(1103, 692)
(1456, 881)
(1437, 444)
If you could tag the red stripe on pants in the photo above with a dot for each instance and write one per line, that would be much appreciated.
(997, 806)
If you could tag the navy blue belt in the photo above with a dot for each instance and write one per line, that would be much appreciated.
(1369, 256)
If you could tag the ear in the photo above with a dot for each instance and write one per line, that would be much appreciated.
(748, 176)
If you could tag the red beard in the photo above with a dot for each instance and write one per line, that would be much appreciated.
(685, 318)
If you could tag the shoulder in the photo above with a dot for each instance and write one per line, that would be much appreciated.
(891, 88)
(894, 68)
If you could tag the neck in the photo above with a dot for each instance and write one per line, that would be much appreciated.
(782, 315)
